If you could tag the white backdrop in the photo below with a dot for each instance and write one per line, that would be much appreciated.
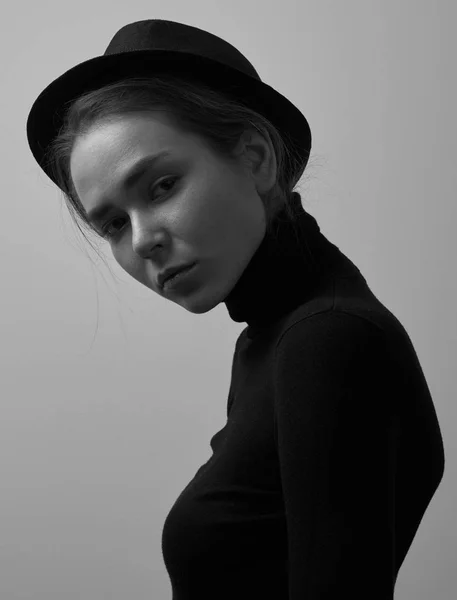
(110, 393)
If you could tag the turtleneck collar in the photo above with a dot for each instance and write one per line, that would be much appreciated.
(283, 273)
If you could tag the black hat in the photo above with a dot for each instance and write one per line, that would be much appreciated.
(156, 46)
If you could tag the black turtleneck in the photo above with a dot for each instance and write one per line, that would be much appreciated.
(284, 270)
(331, 451)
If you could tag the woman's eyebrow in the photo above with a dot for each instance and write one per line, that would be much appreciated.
(132, 177)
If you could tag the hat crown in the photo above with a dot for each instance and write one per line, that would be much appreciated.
(159, 34)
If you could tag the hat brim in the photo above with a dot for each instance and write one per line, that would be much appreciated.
(46, 115)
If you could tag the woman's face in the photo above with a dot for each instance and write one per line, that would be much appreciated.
(187, 207)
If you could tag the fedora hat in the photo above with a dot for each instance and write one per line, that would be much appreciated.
(156, 46)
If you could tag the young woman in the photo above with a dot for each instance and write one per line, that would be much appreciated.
(171, 148)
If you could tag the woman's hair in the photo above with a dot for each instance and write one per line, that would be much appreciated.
(195, 107)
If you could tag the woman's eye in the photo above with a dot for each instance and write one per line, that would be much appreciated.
(106, 228)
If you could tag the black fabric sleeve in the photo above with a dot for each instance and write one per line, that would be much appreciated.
(334, 389)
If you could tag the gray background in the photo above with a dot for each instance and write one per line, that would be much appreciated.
(110, 393)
